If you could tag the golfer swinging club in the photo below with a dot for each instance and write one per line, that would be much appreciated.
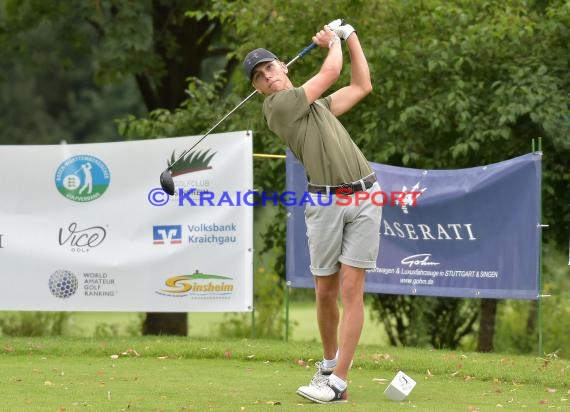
(343, 240)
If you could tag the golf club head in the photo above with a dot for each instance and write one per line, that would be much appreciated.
(166, 182)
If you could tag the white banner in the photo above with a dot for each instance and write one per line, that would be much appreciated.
(87, 227)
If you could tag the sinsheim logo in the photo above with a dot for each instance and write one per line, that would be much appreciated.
(198, 284)
(82, 178)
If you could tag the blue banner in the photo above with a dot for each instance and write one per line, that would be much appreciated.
(470, 233)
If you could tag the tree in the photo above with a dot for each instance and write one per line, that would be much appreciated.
(487, 325)
(457, 84)
(485, 76)
(454, 81)
(47, 88)
(157, 43)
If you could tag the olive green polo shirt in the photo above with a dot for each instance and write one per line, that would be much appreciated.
(316, 137)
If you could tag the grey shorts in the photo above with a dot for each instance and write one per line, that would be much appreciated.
(343, 234)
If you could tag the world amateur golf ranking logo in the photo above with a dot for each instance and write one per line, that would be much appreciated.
(82, 178)
(63, 284)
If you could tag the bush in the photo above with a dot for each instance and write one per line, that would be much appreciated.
(34, 323)
(517, 321)
(268, 316)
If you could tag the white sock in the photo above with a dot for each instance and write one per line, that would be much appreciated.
(329, 363)
(337, 382)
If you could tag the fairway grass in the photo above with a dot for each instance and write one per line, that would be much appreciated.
(184, 374)
(302, 321)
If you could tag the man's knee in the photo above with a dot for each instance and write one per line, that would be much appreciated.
(352, 288)
(327, 289)
(327, 294)
(351, 295)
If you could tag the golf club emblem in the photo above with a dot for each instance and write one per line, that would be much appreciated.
(82, 178)
(191, 162)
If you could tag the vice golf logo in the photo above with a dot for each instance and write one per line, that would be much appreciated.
(82, 178)
(63, 284)
(81, 239)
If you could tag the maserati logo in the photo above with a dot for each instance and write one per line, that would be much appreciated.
(411, 196)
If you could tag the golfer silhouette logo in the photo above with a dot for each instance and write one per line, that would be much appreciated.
(88, 179)
(82, 178)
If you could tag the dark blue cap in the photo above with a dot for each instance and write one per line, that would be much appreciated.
(255, 57)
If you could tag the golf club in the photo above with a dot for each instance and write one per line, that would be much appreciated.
(166, 181)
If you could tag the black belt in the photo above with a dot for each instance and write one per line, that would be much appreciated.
(347, 188)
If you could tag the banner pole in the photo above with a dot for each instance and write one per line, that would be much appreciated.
(540, 256)
(253, 322)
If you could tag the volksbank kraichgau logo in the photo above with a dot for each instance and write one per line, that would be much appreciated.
(82, 178)
(167, 234)
(63, 284)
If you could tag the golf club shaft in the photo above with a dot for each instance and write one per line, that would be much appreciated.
(298, 56)
(212, 128)
(303, 52)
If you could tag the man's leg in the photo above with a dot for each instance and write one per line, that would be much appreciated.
(352, 296)
(326, 293)
(351, 289)
(327, 289)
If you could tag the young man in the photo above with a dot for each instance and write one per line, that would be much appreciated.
(343, 240)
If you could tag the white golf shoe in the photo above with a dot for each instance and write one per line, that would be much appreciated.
(323, 392)
(322, 374)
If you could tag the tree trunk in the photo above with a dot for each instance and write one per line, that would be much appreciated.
(193, 39)
(159, 323)
(487, 325)
(531, 324)
(531, 320)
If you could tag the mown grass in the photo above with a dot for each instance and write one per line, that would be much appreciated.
(179, 374)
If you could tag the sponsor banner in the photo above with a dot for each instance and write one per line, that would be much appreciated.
(88, 228)
(471, 233)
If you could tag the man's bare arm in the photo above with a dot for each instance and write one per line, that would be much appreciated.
(360, 83)
(331, 67)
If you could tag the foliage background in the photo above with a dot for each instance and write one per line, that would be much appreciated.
(456, 84)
